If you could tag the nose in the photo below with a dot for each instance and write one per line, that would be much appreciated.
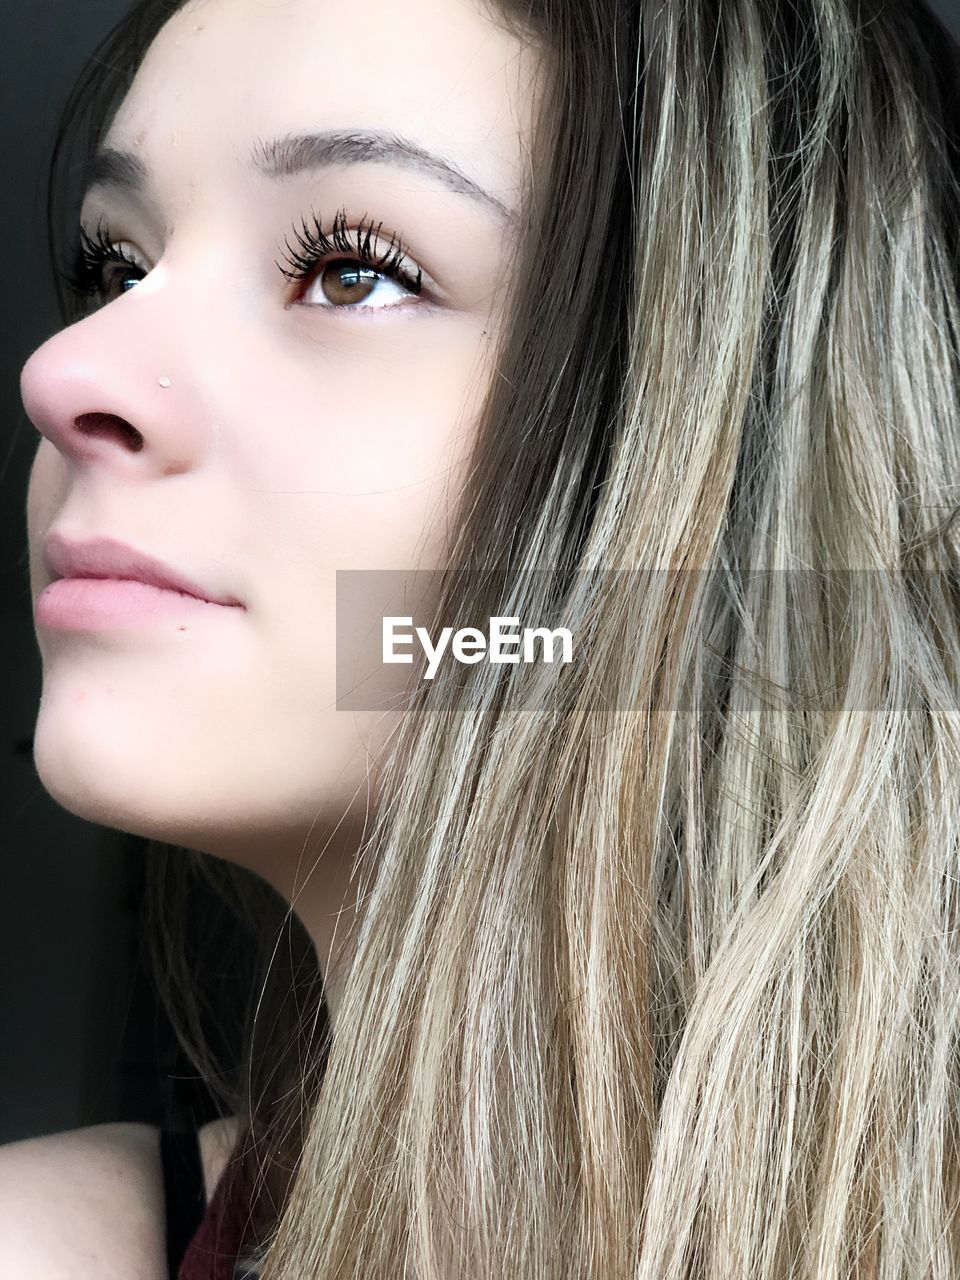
(107, 399)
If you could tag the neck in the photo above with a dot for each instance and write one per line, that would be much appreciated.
(317, 884)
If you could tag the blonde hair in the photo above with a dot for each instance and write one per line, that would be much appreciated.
(666, 984)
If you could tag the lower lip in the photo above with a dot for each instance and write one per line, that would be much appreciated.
(88, 604)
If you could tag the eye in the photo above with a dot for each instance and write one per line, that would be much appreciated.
(355, 274)
(344, 283)
(99, 264)
(350, 273)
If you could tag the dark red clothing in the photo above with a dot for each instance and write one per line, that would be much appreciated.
(204, 1241)
(214, 1247)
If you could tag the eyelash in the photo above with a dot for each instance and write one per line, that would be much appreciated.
(314, 245)
(93, 253)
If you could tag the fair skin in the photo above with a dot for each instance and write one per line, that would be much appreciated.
(307, 427)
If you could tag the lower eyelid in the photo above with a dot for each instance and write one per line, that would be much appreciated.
(413, 306)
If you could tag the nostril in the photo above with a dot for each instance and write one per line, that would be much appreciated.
(96, 423)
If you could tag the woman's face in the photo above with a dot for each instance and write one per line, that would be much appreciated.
(258, 432)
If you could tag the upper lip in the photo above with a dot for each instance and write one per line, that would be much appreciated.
(110, 558)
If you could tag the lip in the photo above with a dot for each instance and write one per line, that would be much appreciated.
(109, 558)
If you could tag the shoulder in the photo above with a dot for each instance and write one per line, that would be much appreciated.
(83, 1203)
(89, 1202)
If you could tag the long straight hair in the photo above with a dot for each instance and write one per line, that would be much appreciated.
(666, 984)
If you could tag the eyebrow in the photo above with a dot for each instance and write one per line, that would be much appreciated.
(296, 153)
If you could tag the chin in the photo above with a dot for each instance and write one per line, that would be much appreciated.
(101, 779)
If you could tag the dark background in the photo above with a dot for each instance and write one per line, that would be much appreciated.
(83, 1039)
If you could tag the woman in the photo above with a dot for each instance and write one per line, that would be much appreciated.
(661, 981)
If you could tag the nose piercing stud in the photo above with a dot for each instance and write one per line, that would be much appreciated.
(164, 382)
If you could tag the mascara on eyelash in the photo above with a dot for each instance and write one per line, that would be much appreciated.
(83, 276)
(314, 244)
(92, 253)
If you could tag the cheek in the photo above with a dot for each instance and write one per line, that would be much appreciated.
(362, 409)
(365, 474)
(368, 446)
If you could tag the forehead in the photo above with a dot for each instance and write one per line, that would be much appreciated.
(222, 73)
